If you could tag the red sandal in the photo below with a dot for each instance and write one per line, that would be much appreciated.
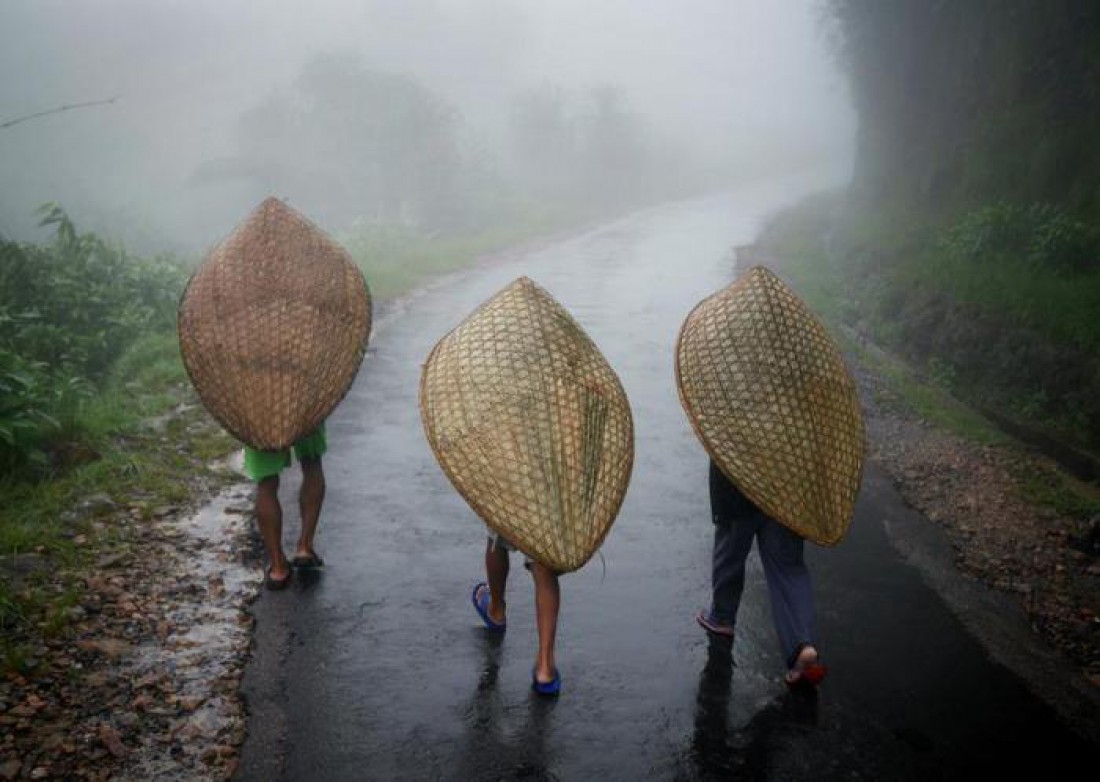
(805, 674)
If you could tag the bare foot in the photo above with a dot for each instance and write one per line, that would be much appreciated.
(278, 575)
(807, 668)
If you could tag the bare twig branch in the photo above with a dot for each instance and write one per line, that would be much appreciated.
(59, 109)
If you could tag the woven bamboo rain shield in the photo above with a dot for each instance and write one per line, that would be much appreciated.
(273, 327)
(531, 425)
(774, 404)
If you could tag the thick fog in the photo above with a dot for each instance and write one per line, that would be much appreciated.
(434, 113)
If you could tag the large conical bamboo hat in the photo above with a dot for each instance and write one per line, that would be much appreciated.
(531, 425)
(768, 393)
(273, 327)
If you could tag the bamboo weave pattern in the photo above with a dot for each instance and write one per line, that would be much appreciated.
(273, 327)
(531, 425)
(774, 404)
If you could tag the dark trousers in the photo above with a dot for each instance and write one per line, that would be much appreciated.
(737, 522)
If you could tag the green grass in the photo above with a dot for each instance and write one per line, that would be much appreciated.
(928, 400)
(1060, 492)
(847, 293)
(795, 241)
(1063, 307)
(138, 467)
(894, 278)
(396, 260)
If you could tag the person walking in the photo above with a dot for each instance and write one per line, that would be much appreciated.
(533, 428)
(775, 406)
(490, 604)
(273, 327)
(737, 523)
(265, 467)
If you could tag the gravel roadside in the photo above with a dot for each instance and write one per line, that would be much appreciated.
(1043, 560)
(144, 681)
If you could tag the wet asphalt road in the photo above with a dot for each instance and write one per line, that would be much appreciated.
(379, 668)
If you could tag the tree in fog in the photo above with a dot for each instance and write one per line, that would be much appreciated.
(587, 147)
(347, 142)
(613, 150)
(544, 140)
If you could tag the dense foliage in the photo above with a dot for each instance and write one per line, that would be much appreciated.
(971, 234)
(68, 310)
(965, 102)
(1043, 236)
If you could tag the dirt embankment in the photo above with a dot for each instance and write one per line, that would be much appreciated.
(1045, 559)
(143, 681)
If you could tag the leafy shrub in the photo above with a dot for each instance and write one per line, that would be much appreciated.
(24, 400)
(1044, 235)
(68, 309)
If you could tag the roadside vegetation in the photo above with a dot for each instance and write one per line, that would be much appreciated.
(969, 240)
(94, 416)
(997, 305)
(962, 320)
(69, 310)
(396, 258)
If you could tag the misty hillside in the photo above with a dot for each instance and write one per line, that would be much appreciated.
(970, 237)
(964, 102)
(442, 116)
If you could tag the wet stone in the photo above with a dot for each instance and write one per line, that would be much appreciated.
(190, 702)
(96, 504)
(52, 741)
(113, 560)
(108, 647)
(121, 660)
(112, 740)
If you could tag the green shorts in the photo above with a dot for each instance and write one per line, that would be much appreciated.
(264, 464)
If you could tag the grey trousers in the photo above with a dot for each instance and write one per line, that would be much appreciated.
(737, 521)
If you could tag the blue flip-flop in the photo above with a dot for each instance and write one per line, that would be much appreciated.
(482, 606)
(551, 688)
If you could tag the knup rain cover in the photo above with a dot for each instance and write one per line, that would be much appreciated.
(273, 327)
(769, 395)
(531, 425)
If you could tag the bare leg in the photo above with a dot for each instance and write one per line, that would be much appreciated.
(497, 564)
(547, 601)
(310, 499)
(269, 517)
